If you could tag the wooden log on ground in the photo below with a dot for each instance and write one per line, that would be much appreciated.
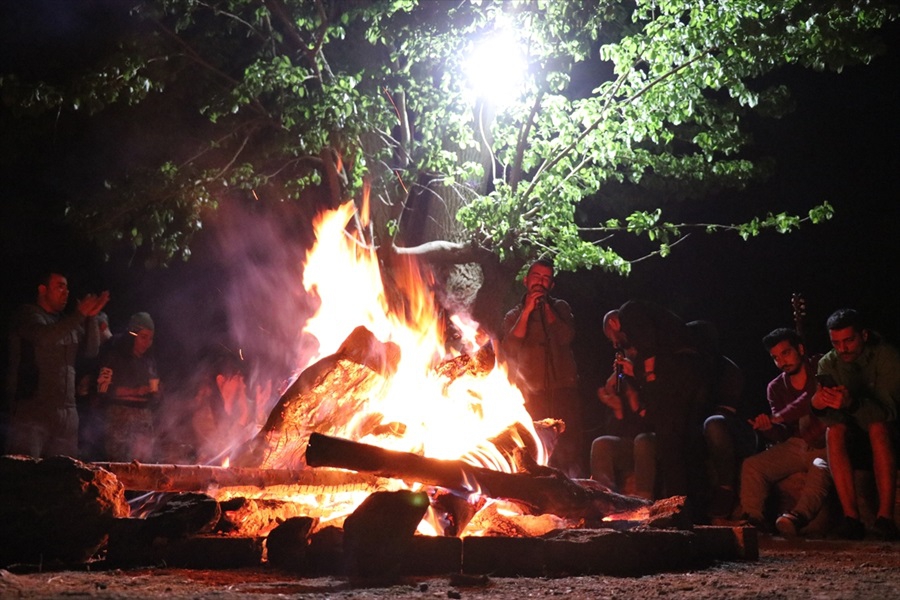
(554, 493)
(56, 509)
(202, 478)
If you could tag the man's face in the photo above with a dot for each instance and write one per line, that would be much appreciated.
(540, 277)
(143, 339)
(54, 295)
(613, 332)
(848, 342)
(787, 357)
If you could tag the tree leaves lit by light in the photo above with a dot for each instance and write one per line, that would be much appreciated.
(611, 117)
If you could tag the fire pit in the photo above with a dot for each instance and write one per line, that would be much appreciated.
(390, 455)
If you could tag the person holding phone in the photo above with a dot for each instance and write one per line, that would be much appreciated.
(860, 408)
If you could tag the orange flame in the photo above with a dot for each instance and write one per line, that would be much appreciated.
(442, 420)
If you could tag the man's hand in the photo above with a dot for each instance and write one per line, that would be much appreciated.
(609, 397)
(626, 366)
(92, 304)
(761, 422)
(535, 298)
(831, 397)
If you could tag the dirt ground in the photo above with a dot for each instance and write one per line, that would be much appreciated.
(803, 569)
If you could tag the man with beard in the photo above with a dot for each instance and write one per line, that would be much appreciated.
(857, 399)
(537, 347)
(798, 437)
(44, 345)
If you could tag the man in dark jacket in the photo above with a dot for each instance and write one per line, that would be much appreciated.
(44, 345)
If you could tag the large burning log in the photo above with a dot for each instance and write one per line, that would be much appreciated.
(552, 492)
(324, 398)
(338, 396)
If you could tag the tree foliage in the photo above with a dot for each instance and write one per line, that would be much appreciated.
(635, 106)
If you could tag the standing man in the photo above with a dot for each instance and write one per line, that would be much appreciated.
(44, 345)
(128, 387)
(797, 435)
(857, 397)
(537, 347)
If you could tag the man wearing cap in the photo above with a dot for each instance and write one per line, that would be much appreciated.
(128, 388)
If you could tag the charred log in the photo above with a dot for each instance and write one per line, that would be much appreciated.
(55, 509)
(379, 533)
(554, 493)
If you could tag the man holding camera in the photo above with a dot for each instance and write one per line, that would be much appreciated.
(537, 347)
(857, 397)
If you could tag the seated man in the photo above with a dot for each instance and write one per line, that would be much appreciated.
(857, 399)
(674, 388)
(729, 436)
(628, 446)
(798, 437)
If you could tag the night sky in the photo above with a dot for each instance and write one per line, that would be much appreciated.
(840, 146)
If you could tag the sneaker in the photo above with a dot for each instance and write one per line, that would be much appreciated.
(790, 523)
(850, 529)
(885, 529)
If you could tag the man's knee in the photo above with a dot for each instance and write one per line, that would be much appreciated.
(881, 437)
(752, 465)
(603, 444)
(836, 436)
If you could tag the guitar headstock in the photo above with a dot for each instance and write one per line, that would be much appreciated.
(798, 305)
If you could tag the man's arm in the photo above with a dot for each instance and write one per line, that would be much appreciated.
(34, 327)
(509, 344)
(561, 326)
(771, 426)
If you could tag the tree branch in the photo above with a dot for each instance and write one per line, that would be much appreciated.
(523, 138)
(447, 253)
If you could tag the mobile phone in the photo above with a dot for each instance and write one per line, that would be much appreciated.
(826, 380)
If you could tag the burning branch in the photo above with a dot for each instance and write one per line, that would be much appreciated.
(554, 493)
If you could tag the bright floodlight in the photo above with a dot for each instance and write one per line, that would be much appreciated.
(496, 68)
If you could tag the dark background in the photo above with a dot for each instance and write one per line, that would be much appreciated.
(241, 288)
